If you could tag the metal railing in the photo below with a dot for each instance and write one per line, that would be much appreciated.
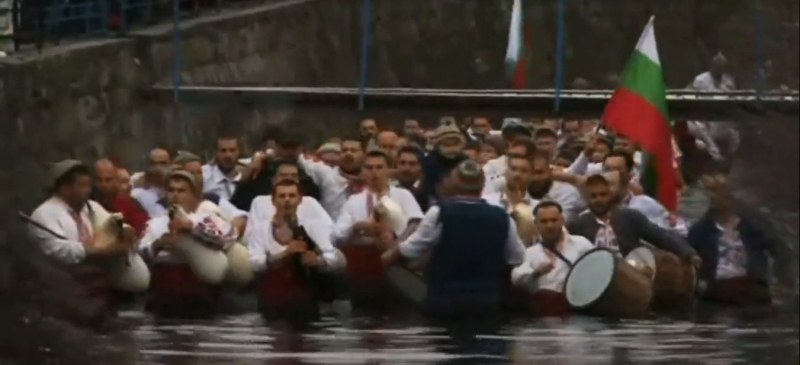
(39, 22)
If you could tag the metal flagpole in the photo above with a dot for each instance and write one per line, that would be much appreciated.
(560, 44)
(365, 43)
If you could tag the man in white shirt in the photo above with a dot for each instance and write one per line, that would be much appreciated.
(291, 265)
(68, 218)
(544, 187)
(723, 134)
(150, 194)
(715, 79)
(263, 208)
(461, 236)
(520, 146)
(511, 129)
(548, 263)
(358, 213)
(517, 179)
(338, 184)
(221, 176)
(157, 157)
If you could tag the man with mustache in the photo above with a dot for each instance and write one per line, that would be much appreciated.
(622, 229)
(520, 146)
(110, 196)
(517, 179)
(408, 174)
(544, 187)
(222, 175)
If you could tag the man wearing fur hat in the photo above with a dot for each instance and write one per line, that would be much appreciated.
(449, 142)
(456, 234)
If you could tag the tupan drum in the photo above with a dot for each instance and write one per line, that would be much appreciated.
(601, 283)
(674, 281)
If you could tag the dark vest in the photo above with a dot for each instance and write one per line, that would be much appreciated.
(214, 198)
(468, 264)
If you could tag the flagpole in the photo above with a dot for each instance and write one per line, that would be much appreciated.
(560, 44)
(365, 42)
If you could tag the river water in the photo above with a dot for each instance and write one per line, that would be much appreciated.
(342, 336)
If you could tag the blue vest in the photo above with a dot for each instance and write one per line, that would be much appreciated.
(468, 264)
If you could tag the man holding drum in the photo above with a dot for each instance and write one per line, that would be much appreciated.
(622, 229)
(548, 263)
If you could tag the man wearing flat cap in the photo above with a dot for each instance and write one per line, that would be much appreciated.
(449, 142)
(470, 245)
(65, 223)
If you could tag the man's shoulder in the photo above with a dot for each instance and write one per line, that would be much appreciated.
(580, 241)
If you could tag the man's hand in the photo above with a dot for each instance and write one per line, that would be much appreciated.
(544, 268)
(696, 261)
(256, 164)
(311, 259)
(180, 224)
(296, 246)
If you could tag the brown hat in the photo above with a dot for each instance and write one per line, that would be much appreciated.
(447, 129)
(61, 168)
(186, 175)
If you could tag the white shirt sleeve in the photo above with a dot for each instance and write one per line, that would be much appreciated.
(344, 224)
(314, 210)
(156, 228)
(514, 249)
(230, 211)
(62, 249)
(320, 232)
(425, 238)
(317, 171)
(579, 166)
(409, 204)
(257, 239)
(522, 274)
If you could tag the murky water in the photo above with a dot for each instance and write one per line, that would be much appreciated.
(762, 336)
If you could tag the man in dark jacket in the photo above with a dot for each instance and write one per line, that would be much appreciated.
(622, 229)
(259, 182)
(735, 245)
(448, 153)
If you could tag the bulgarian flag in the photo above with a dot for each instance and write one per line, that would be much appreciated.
(516, 60)
(638, 110)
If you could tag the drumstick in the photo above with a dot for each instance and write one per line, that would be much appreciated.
(36, 224)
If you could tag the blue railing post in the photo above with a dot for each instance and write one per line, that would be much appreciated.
(560, 45)
(365, 43)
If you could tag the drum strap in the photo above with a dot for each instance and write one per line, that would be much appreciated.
(560, 256)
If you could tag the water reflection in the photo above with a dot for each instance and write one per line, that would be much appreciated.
(728, 337)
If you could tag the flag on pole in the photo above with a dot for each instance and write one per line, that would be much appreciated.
(516, 59)
(638, 110)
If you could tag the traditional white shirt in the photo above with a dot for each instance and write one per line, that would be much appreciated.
(57, 216)
(655, 212)
(149, 199)
(732, 255)
(333, 186)
(572, 248)
(264, 247)
(429, 231)
(217, 182)
(359, 208)
(263, 210)
(705, 82)
(207, 226)
(565, 194)
(582, 166)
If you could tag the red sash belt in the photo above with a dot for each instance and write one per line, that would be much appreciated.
(283, 287)
(549, 303)
(176, 284)
(364, 272)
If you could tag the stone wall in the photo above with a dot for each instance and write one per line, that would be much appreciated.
(93, 98)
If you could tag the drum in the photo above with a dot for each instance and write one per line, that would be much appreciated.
(365, 275)
(674, 280)
(548, 303)
(208, 264)
(177, 291)
(602, 283)
(240, 271)
(282, 287)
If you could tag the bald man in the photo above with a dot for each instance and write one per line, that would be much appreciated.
(158, 157)
(387, 143)
(108, 192)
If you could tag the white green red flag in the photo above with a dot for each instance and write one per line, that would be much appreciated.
(638, 110)
(516, 57)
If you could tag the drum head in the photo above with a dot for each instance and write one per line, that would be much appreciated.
(642, 256)
(590, 277)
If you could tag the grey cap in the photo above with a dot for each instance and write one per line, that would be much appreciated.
(470, 174)
(184, 157)
(330, 147)
(183, 174)
(61, 168)
(511, 122)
